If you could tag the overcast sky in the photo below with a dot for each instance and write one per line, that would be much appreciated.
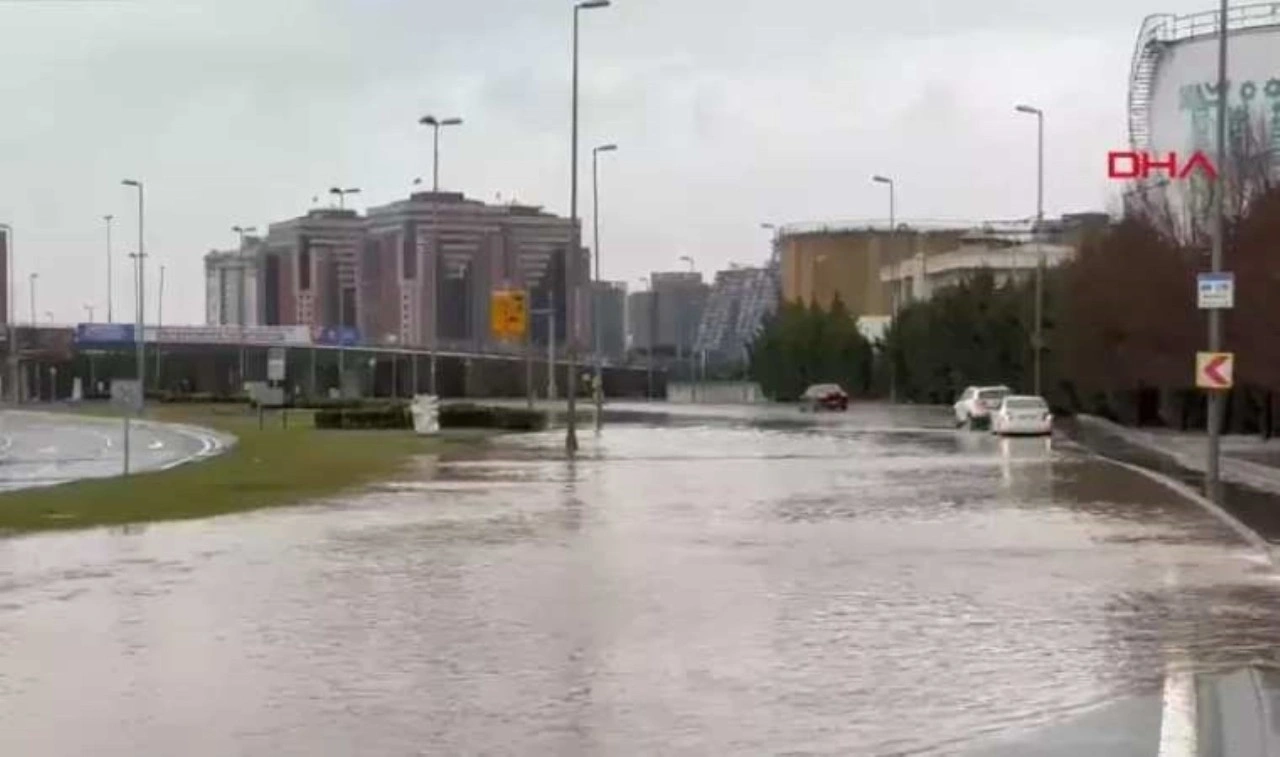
(727, 113)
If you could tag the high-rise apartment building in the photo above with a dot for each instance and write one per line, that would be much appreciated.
(666, 318)
(418, 271)
(432, 260)
(233, 285)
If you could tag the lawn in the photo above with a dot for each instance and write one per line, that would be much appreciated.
(268, 467)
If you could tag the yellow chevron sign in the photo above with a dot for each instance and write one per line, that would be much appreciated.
(509, 314)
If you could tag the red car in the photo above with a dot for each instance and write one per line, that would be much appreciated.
(824, 397)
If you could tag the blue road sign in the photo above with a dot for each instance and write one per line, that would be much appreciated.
(1216, 291)
(104, 333)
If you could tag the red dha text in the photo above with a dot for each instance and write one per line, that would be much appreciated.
(1140, 165)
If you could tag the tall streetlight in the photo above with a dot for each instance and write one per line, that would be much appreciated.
(159, 324)
(571, 265)
(1215, 260)
(893, 221)
(1037, 345)
(595, 228)
(10, 314)
(887, 180)
(31, 279)
(110, 313)
(681, 326)
(140, 256)
(242, 265)
(342, 195)
(436, 124)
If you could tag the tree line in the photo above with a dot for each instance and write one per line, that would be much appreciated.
(1121, 327)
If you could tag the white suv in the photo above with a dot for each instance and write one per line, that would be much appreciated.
(977, 403)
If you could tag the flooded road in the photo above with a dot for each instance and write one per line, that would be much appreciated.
(743, 582)
(44, 449)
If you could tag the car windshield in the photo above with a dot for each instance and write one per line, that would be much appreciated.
(1025, 403)
(992, 394)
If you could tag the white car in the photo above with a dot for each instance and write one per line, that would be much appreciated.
(1022, 415)
(977, 403)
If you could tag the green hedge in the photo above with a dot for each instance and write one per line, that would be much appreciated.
(321, 403)
(203, 398)
(468, 415)
(458, 415)
(381, 418)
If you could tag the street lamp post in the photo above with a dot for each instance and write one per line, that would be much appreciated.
(159, 324)
(652, 328)
(1038, 338)
(10, 314)
(571, 266)
(32, 280)
(140, 256)
(595, 227)
(110, 313)
(342, 330)
(1215, 260)
(342, 195)
(893, 221)
(241, 314)
(681, 326)
(436, 124)
(887, 180)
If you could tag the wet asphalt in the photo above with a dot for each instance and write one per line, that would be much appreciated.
(698, 581)
(42, 449)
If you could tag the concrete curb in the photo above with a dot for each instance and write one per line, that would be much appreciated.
(1264, 478)
(212, 443)
(1145, 440)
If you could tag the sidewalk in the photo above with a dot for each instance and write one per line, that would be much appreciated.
(1246, 460)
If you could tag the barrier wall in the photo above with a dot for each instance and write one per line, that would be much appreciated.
(715, 392)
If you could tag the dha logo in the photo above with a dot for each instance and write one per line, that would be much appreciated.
(1128, 165)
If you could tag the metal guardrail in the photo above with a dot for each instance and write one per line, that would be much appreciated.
(1161, 29)
(1012, 226)
(1171, 28)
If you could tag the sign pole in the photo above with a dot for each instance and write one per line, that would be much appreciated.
(528, 359)
(1212, 473)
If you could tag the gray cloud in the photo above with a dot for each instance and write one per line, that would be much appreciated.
(728, 113)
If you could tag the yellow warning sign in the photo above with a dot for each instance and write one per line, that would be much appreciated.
(509, 314)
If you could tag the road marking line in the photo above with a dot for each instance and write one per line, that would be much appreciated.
(1178, 736)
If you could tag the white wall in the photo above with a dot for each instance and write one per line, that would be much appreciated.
(715, 392)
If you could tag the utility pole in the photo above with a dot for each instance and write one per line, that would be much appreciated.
(1212, 476)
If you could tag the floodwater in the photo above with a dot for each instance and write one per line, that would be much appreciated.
(750, 583)
(43, 449)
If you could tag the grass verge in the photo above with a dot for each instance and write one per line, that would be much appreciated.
(268, 467)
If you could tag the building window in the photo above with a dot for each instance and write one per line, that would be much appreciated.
(304, 269)
(409, 252)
